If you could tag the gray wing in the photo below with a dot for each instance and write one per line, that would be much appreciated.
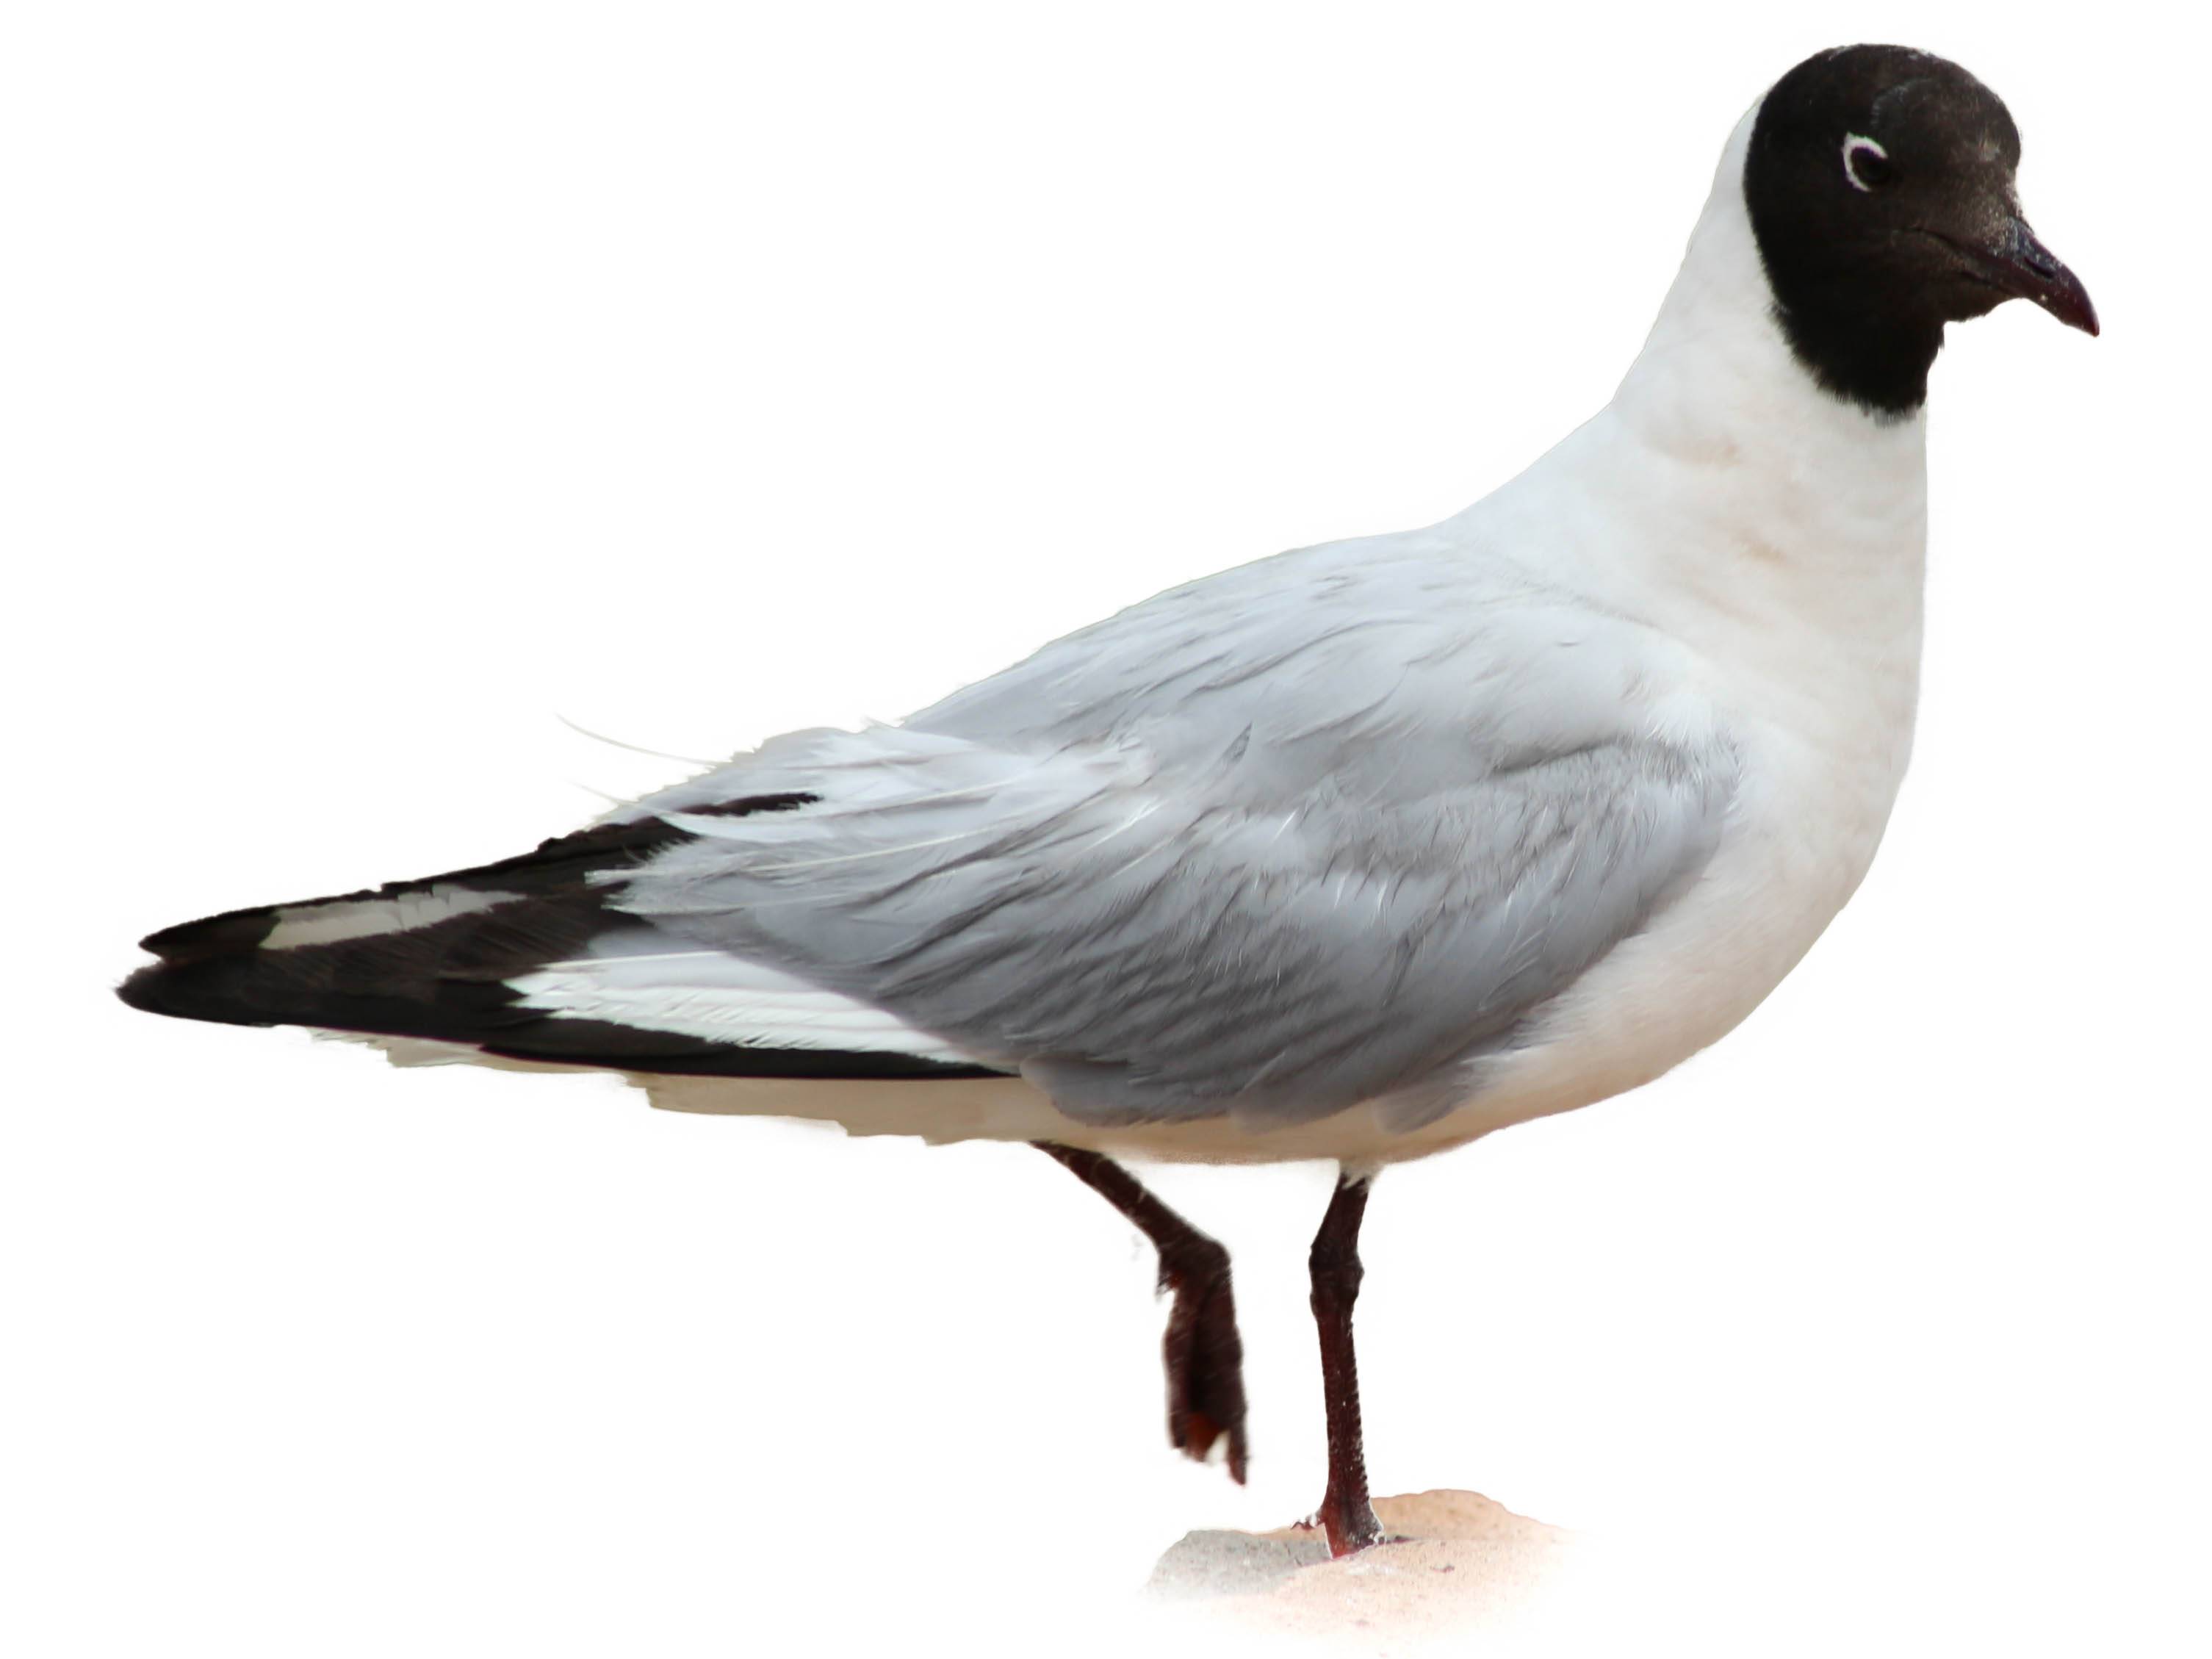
(1288, 846)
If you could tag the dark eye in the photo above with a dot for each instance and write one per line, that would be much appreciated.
(1866, 163)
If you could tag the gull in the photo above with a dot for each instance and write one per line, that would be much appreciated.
(1355, 854)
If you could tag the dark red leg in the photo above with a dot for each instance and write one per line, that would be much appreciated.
(1204, 1356)
(1346, 1513)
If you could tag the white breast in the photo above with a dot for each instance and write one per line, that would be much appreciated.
(1778, 535)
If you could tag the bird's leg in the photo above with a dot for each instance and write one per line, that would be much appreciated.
(1345, 1515)
(1204, 1356)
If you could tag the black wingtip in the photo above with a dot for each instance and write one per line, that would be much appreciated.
(203, 989)
(448, 980)
(142, 990)
(558, 865)
(211, 936)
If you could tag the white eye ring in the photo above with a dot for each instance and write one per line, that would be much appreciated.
(1853, 144)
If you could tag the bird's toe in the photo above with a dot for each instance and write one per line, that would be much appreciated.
(1205, 1360)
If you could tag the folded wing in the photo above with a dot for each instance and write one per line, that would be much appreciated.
(1145, 948)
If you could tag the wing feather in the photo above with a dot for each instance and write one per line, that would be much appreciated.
(1276, 905)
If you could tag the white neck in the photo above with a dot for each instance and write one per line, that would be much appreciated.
(1717, 378)
(1763, 522)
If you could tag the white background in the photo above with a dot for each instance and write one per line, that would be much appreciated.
(384, 381)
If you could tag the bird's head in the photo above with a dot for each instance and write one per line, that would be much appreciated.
(1879, 183)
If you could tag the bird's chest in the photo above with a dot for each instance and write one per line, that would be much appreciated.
(1808, 637)
(1815, 800)
(1821, 720)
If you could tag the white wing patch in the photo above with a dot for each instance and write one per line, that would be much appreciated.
(330, 924)
(719, 997)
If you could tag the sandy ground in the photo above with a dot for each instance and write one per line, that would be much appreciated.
(1461, 1565)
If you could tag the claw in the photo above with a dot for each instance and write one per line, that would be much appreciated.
(1205, 1359)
